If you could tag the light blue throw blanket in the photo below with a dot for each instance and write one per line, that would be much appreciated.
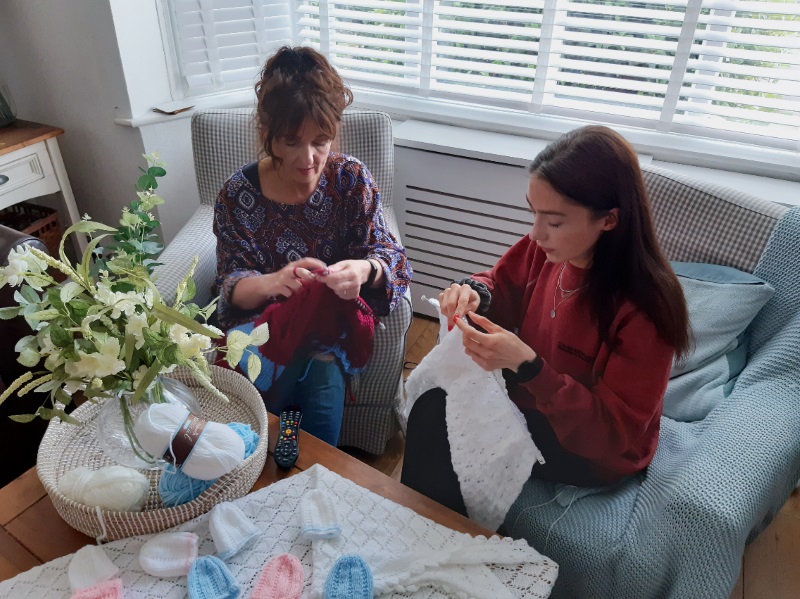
(679, 530)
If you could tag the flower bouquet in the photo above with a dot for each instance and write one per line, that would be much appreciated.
(105, 331)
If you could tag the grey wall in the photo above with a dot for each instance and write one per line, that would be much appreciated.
(61, 62)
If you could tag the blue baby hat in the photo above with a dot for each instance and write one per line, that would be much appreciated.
(210, 578)
(350, 578)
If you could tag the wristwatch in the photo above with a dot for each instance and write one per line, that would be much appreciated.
(372, 274)
(526, 371)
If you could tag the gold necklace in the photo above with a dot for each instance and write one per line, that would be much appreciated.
(565, 294)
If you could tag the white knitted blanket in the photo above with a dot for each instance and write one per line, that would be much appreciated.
(410, 556)
(490, 445)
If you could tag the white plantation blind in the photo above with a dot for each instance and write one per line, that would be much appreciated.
(720, 68)
(221, 44)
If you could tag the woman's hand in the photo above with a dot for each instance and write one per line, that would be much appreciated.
(346, 277)
(254, 292)
(496, 348)
(457, 300)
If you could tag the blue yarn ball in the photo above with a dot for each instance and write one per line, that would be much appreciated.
(176, 488)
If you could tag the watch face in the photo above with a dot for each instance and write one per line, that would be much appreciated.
(528, 370)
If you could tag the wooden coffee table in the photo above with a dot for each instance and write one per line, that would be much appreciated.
(32, 532)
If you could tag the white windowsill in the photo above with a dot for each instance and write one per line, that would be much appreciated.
(519, 151)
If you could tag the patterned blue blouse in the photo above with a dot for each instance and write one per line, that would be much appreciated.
(342, 220)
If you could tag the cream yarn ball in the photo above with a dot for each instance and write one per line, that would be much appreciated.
(218, 450)
(112, 488)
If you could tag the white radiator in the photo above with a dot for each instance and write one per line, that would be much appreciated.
(457, 216)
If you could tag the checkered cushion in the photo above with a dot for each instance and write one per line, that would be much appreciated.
(223, 141)
(700, 222)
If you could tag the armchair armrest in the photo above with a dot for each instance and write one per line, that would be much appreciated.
(196, 238)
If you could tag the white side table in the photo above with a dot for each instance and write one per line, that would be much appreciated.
(31, 166)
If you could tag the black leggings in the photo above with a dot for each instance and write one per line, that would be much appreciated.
(427, 466)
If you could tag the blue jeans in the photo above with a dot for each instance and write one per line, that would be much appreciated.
(317, 386)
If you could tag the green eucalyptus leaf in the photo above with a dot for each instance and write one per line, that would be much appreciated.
(29, 357)
(50, 413)
(62, 396)
(146, 182)
(23, 418)
(59, 336)
(10, 312)
(156, 171)
(30, 295)
(253, 366)
(189, 291)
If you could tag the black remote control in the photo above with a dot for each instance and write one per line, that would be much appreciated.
(287, 448)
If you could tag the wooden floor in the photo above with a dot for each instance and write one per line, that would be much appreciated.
(771, 564)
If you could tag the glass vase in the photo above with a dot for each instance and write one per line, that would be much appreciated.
(117, 415)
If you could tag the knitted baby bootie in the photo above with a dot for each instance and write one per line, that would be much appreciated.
(231, 529)
(90, 565)
(210, 578)
(281, 578)
(169, 554)
(108, 589)
(350, 578)
(318, 516)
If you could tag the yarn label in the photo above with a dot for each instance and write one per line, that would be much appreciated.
(185, 439)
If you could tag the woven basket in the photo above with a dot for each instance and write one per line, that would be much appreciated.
(39, 221)
(66, 446)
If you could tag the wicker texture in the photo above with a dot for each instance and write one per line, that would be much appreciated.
(65, 447)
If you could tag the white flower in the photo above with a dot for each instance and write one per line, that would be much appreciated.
(137, 376)
(21, 262)
(98, 364)
(190, 344)
(136, 324)
(72, 386)
(120, 303)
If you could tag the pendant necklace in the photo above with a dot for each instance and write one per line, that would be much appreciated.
(565, 293)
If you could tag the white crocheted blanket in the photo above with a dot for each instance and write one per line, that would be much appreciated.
(490, 445)
(408, 554)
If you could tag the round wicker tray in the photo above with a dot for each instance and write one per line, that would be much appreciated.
(66, 446)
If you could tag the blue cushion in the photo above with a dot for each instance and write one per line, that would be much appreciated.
(722, 301)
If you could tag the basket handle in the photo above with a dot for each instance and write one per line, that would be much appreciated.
(3, 179)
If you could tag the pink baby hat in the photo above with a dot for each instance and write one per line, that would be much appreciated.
(318, 516)
(108, 589)
(169, 554)
(88, 566)
(281, 578)
(231, 529)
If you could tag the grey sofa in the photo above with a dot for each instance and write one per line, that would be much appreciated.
(679, 529)
(224, 140)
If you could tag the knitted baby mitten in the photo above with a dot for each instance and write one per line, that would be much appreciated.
(350, 578)
(281, 578)
(169, 554)
(89, 566)
(318, 516)
(210, 578)
(108, 589)
(231, 529)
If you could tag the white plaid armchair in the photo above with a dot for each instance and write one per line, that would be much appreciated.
(223, 141)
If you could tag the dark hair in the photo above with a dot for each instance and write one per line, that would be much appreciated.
(597, 168)
(297, 84)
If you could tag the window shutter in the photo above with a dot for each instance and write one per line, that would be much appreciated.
(719, 68)
(222, 44)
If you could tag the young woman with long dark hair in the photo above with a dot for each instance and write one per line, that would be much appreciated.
(584, 316)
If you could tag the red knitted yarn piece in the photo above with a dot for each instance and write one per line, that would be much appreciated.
(316, 315)
(281, 578)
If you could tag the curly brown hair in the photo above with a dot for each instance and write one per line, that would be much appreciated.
(297, 84)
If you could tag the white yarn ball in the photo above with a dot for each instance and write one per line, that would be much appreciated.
(114, 488)
(218, 450)
(117, 489)
(73, 484)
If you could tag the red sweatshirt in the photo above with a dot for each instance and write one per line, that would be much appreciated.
(602, 401)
